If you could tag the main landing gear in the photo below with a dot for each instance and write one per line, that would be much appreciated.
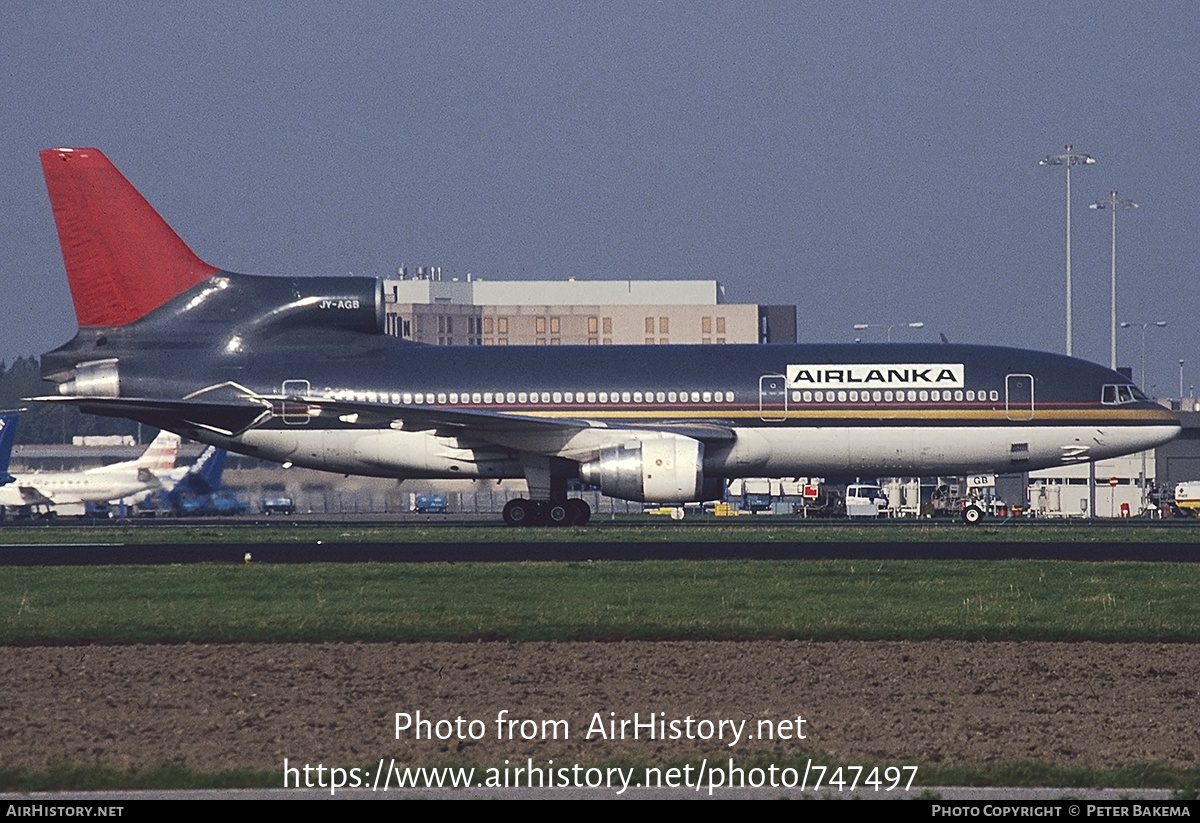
(571, 512)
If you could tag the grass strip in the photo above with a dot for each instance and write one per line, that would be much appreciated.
(647, 530)
(650, 600)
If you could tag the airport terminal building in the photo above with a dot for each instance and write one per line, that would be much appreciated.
(427, 309)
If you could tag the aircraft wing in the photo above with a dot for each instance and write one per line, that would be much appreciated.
(31, 496)
(573, 437)
(233, 414)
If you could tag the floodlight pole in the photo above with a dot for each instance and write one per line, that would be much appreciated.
(1112, 203)
(1068, 158)
(863, 326)
(1158, 324)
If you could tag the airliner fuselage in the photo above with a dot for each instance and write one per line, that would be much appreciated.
(299, 371)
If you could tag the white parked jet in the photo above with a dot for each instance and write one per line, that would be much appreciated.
(48, 489)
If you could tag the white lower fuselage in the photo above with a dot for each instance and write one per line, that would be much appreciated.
(757, 451)
(63, 488)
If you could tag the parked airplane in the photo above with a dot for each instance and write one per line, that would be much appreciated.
(8, 436)
(101, 484)
(195, 489)
(203, 476)
(298, 370)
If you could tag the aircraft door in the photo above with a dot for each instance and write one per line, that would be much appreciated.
(772, 397)
(1018, 397)
(295, 414)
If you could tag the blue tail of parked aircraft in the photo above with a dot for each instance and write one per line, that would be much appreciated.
(191, 492)
(200, 493)
(205, 475)
(8, 435)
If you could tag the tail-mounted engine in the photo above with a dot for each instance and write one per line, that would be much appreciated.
(668, 468)
(229, 313)
(351, 303)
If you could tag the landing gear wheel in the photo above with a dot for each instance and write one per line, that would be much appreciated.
(520, 512)
(972, 515)
(581, 512)
(558, 514)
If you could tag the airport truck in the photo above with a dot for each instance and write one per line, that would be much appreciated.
(863, 500)
(1187, 499)
(280, 504)
(430, 504)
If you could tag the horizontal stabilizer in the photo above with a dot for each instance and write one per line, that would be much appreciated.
(223, 419)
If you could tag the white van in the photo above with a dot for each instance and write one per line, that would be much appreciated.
(865, 501)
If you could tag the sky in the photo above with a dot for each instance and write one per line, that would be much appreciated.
(870, 162)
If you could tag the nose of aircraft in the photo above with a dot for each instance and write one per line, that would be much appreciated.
(1165, 429)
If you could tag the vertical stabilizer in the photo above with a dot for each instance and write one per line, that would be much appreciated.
(122, 258)
(204, 477)
(8, 436)
(161, 452)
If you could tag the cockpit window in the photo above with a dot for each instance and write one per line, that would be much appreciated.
(1118, 394)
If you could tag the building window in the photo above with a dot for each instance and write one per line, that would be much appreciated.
(706, 325)
(593, 325)
(608, 325)
(720, 325)
(554, 325)
(540, 325)
(649, 325)
(502, 325)
(662, 325)
(649, 341)
(487, 325)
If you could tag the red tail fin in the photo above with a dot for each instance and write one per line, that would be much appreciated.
(122, 258)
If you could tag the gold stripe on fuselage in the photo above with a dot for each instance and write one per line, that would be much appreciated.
(924, 415)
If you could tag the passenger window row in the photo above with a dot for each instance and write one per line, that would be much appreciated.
(898, 396)
(521, 398)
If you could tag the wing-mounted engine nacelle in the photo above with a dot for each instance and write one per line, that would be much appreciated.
(659, 469)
